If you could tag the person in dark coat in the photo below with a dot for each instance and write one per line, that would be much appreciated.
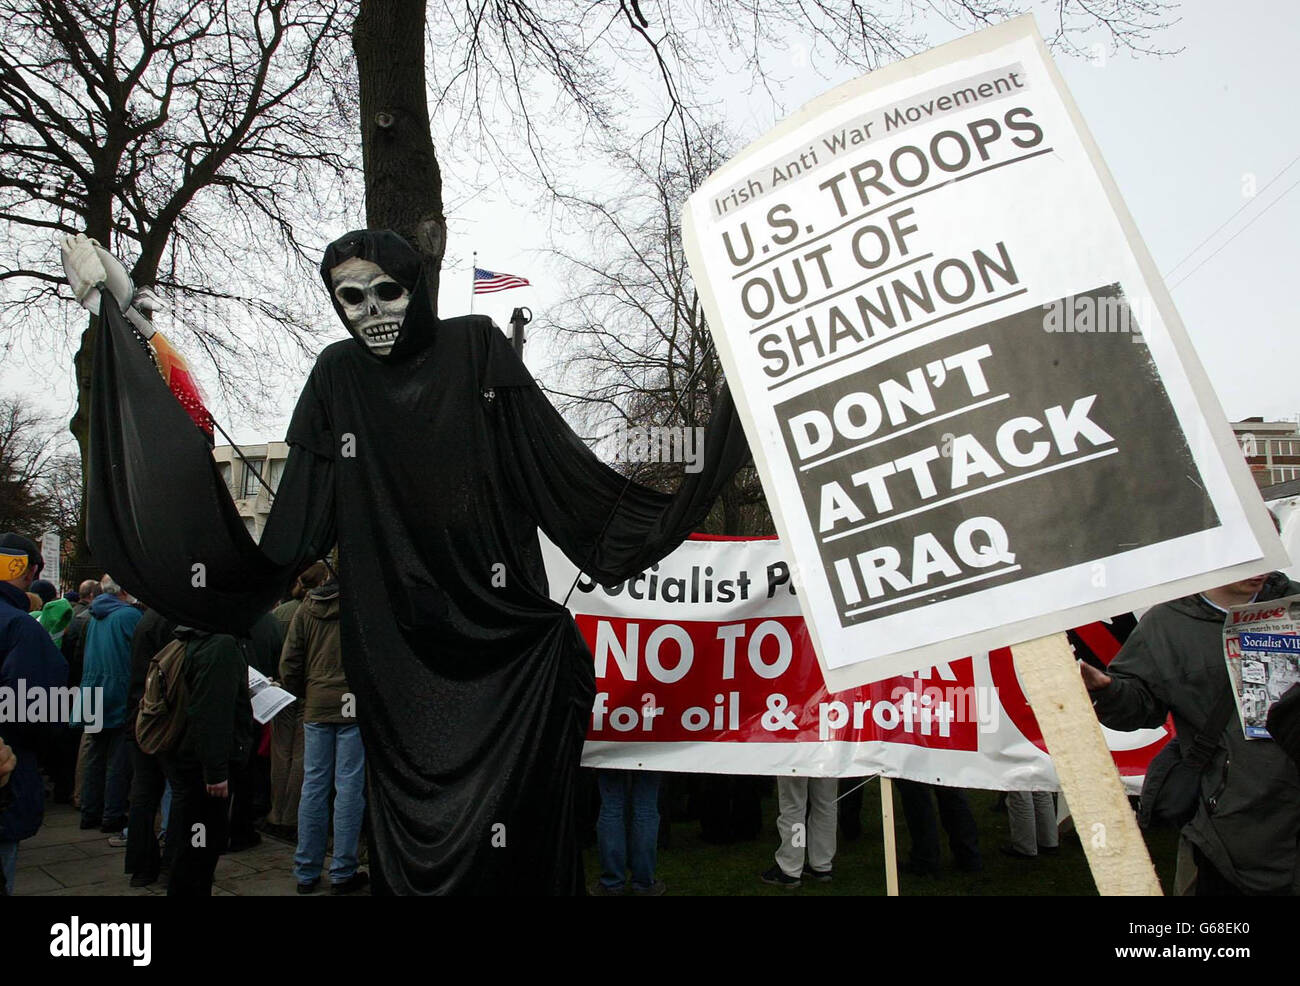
(145, 861)
(250, 781)
(28, 661)
(8, 764)
(218, 735)
(1244, 833)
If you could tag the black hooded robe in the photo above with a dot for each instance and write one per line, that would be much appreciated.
(433, 468)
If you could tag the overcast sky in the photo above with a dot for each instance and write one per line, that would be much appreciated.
(1191, 139)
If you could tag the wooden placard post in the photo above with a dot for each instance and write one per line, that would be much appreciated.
(887, 825)
(1107, 826)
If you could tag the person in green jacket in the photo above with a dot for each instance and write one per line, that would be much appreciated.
(1243, 836)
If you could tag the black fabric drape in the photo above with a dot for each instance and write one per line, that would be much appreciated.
(159, 517)
(473, 688)
(570, 493)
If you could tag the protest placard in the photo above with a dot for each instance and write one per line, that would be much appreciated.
(975, 412)
(52, 552)
(704, 663)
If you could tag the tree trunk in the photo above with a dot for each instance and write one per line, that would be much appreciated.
(84, 363)
(98, 227)
(403, 182)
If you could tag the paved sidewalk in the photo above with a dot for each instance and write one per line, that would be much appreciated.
(63, 861)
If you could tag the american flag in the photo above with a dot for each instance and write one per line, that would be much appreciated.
(488, 281)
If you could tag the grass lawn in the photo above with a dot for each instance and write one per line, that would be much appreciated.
(692, 867)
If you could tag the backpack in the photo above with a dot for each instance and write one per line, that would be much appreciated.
(163, 709)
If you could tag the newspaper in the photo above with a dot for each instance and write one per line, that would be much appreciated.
(268, 698)
(1261, 643)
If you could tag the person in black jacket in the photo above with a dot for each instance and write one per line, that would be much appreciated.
(144, 859)
(250, 780)
(8, 764)
(218, 735)
(1243, 835)
(28, 660)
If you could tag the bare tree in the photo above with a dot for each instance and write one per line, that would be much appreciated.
(29, 470)
(636, 337)
(63, 495)
(505, 70)
(199, 140)
(638, 345)
(194, 138)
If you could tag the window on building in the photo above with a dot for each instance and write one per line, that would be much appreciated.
(251, 484)
(276, 472)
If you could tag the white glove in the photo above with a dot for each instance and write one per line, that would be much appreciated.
(89, 266)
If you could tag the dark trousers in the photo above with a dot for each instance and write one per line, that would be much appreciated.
(849, 806)
(62, 764)
(243, 807)
(147, 784)
(200, 825)
(729, 807)
(922, 827)
(107, 777)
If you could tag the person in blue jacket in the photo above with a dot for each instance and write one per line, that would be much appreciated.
(107, 666)
(29, 661)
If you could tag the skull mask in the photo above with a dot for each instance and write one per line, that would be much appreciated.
(373, 303)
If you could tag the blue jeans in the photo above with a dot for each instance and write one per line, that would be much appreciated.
(333, 758)
(623, 792)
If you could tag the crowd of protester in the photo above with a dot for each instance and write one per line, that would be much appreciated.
(223, 779)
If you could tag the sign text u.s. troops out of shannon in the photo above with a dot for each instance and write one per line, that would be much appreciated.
(975, 412)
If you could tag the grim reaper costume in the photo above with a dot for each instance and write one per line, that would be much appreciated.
(426, 450)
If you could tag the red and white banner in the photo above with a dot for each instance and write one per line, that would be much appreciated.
(703, 663)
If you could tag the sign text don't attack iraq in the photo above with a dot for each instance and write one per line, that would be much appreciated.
(976, 415)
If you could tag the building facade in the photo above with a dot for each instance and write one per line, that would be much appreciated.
(1271, 448)
(251, 497)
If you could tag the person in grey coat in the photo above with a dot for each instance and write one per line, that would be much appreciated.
(1244, 833)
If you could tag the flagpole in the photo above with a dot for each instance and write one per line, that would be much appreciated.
(472, 267)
